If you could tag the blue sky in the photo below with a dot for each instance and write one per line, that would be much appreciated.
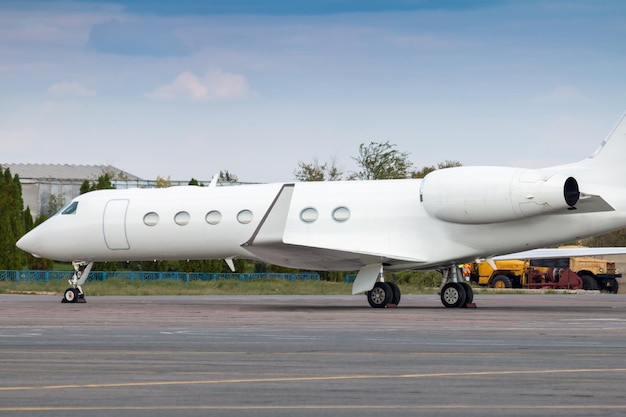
(186, 88)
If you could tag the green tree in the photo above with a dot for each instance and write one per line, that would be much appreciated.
(425, 170)
(12, 223)
(28, 220)
(85, 187)
(162, 182)
(103, 182)
(195, 182)
(210, 265)
(381, 161)
(55, 203)
(226, 176)
(617, 238)
(449, 164)
(315, 171)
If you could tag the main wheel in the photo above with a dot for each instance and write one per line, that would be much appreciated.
(469, 293)
(453, 295)
(380, 295)
(70, 295)
(396, 293)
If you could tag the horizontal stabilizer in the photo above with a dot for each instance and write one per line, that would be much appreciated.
(592, 204)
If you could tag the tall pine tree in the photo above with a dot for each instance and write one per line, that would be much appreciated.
(12, 223)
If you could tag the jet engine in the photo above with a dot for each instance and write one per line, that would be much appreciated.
(481, 195)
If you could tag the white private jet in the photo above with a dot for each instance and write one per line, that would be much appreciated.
(451, 216)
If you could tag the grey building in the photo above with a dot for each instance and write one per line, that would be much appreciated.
(47, 187)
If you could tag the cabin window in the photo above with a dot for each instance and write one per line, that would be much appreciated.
(182, 218)
(244, 216)
(151, 219)
(71, 208)
(213, 217)
(341, 214)
(308, 215)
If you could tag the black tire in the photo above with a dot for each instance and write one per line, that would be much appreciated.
(469, 293)
(395, 290)
(453, 295)
(380, 295)
(589, 282)
(501, 282)
(70, 295)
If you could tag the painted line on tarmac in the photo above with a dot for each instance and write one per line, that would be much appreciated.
(316, 378)
(594, 407)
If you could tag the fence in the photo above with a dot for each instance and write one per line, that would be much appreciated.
(47, 276)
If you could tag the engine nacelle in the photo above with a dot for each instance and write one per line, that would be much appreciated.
(480, 195)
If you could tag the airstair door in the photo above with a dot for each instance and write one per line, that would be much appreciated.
(115, 225)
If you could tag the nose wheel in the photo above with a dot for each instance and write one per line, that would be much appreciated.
(73, 295)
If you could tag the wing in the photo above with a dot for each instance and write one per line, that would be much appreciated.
(282, 241)
(546, 253)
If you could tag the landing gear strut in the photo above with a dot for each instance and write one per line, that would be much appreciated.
(75, 294)
(454, 291)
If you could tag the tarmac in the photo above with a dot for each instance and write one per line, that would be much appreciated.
(530, 355)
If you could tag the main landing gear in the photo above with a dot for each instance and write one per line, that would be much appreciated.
(384, 294)
(75, 294)
(454, 291)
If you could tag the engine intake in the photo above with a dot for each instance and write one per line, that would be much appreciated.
(481, 195)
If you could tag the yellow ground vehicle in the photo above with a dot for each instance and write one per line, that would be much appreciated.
(573, 273)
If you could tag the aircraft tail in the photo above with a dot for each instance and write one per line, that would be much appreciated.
(607, 164)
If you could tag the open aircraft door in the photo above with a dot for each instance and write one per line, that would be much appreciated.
(114, 225)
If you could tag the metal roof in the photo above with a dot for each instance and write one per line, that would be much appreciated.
(66, 171)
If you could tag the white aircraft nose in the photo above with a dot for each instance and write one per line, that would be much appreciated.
(28, 243)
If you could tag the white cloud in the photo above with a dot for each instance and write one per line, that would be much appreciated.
(70, 89)
(215, 85)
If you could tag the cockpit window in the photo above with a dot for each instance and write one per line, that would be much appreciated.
(71, 208)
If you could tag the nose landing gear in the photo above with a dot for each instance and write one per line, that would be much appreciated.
(75, 294)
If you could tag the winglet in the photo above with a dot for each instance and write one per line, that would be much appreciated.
(213, 182)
